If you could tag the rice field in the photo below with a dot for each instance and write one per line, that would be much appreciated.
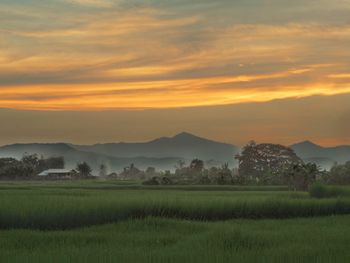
(113, 222)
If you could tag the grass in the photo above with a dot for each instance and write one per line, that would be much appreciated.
(127, 185)
(325, 191)
(46, 207)
(165, 240)
(125, 222)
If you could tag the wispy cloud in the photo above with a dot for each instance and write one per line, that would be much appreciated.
(96, 3)
(137, 55)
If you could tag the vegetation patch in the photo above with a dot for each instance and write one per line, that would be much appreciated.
(71, 208)
(320, 240)
(319, 190)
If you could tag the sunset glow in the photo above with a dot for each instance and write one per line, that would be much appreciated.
(135, 55)
(109, 55)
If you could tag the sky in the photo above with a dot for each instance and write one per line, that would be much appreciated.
(88, 71)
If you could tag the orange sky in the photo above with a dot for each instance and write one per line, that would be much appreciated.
(98, 55)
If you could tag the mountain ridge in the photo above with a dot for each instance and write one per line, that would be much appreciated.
(184, 145)
(325, 157)
(162, 153)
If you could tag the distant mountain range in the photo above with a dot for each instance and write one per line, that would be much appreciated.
(323, 156)
(162, 153)
(73, 156)
(184, 145)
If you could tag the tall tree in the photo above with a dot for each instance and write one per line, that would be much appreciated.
(197, 165)
(265, 162)
(339, 174)
(31, 165)
(301, 176)
(84, 169)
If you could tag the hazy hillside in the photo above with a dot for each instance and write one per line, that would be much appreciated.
(323, 156)
(73, 156)
(183, 145)
(162, 153)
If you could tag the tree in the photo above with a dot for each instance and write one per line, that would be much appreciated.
(265, 162)
(84, 169)
(11, 168)
(339, 174)
(301, 176)
(103, 171)
(31, 165)
(158, 180)
(213, 173)
(197, 165)
(224, 175)
(54, 162)
(50, 163)
(153, 181)
(181, 169)
(132, 172)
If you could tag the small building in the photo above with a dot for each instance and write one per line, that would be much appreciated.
(58, 173)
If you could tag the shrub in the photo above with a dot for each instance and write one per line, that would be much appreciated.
(153, 181)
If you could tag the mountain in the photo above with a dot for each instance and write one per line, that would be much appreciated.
(162, 153)
(323, 156)
(184, 145)
(73, 156)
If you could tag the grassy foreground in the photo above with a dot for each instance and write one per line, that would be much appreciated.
(60, 208)
(164, 240)
(113, 222)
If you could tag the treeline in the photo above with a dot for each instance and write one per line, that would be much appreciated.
(28, 167)
(298, 176)
(339, 174)
(259, 164)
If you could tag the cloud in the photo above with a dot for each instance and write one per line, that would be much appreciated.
(162, 55)
(93, 3)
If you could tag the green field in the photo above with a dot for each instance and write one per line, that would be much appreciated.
(109, 221)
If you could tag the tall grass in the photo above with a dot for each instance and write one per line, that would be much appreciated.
(64, 209)
(325, 191)
(160, 240)
(135, 235)
(128, 185)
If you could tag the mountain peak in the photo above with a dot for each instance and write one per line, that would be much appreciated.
(307, 148)
(185, 135)
(308, 143)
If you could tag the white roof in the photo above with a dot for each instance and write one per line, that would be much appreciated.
(54, 171)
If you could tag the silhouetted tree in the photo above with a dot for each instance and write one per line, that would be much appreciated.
(265, 162)
(339, 174)
(84, 169)
(224, 175)
(11, 168)
(132, 172)
(197, 165)
(301, 176)
(53, 162)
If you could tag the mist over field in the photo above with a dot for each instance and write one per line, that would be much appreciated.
(164, 153)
